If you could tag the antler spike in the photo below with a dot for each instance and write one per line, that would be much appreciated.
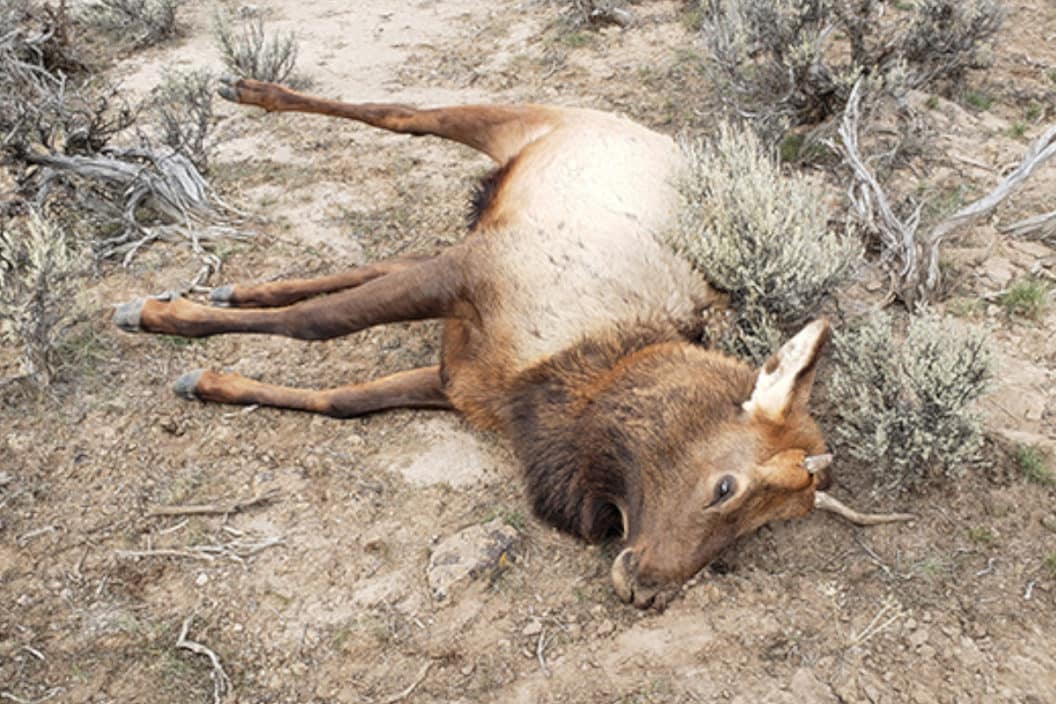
(828, 503)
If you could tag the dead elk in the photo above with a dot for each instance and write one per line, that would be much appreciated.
(570, 328)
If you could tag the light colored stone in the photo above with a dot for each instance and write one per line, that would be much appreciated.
(468, 554)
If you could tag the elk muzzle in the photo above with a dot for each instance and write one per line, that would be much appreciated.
(624, 575)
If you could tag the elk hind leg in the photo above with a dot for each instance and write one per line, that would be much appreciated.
(500, 131)
(417, 388)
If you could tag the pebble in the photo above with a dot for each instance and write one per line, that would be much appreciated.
(605, 628)
(202, 579)
(533, 628)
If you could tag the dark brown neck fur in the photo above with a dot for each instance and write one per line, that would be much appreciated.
(591, 423)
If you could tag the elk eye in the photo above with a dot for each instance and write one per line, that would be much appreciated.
(723, 490)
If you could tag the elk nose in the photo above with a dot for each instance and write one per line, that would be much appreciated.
(625, 574)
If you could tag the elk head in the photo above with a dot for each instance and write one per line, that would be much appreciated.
(758, 460)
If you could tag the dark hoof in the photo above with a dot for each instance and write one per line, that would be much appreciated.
(126, 316)
(184, 386)
(228, 89)
(222, 295)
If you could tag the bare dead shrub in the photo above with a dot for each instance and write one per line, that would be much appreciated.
(40, 272)
(141, 22)
(249, 52)
(184, 105)
(579, 14)
(946, 38)
(903, 404)
(59, 132)
(793, 62)
(760, 235)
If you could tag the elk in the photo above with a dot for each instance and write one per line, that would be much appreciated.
(570, 328)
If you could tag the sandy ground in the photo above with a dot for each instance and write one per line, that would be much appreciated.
(321, 594)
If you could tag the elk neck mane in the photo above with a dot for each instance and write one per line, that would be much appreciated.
(597, 424)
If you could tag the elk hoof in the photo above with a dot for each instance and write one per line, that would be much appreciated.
(184, 386)
(126, 316)
(222, 295)
(228, 89)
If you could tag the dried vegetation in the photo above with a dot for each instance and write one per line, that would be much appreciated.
(904, 403)
(112, 177)
(759, 235)
(248, 51)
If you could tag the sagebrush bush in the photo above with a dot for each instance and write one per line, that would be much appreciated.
(760, 235)
(793, 62)
(184, 104)
(904, 404)
(577, 14)
(39, 272)
(145, 22)
(250, 53)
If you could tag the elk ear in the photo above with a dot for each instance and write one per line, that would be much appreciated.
(785, 380)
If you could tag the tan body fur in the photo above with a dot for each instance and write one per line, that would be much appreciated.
(570, 247)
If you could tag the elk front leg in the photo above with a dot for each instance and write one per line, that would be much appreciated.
(418, 388)
(281, 293)
(429, 290)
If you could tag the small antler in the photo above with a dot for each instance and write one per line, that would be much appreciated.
(828, 503)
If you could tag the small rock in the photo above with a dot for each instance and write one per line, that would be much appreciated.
(926, 652)
(468, 554)
(918, 637)
(468, 670)
(1049, 522)
(202, 579)
(533, 628)
(604, 628)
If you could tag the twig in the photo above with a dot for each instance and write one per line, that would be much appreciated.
(162, 552)
(237, 550)
(226, 507)
(872, 555)
(875, 626)
(989, 568)
(19, 700)
(34, 652)
(221, 682)
(1045, 222)
(540, 651)
(973, 162)
(400, 696)
(26, 537)
(1029, 591)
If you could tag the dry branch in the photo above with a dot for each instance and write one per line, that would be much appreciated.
(900, 248)
(913, 260)
(409, 690)
(225, 507)
(169, 187)
(1038, 227)
(238, 550)
(1040, 151)
(221, 682)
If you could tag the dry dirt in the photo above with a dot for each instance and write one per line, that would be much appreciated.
(958, 606)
